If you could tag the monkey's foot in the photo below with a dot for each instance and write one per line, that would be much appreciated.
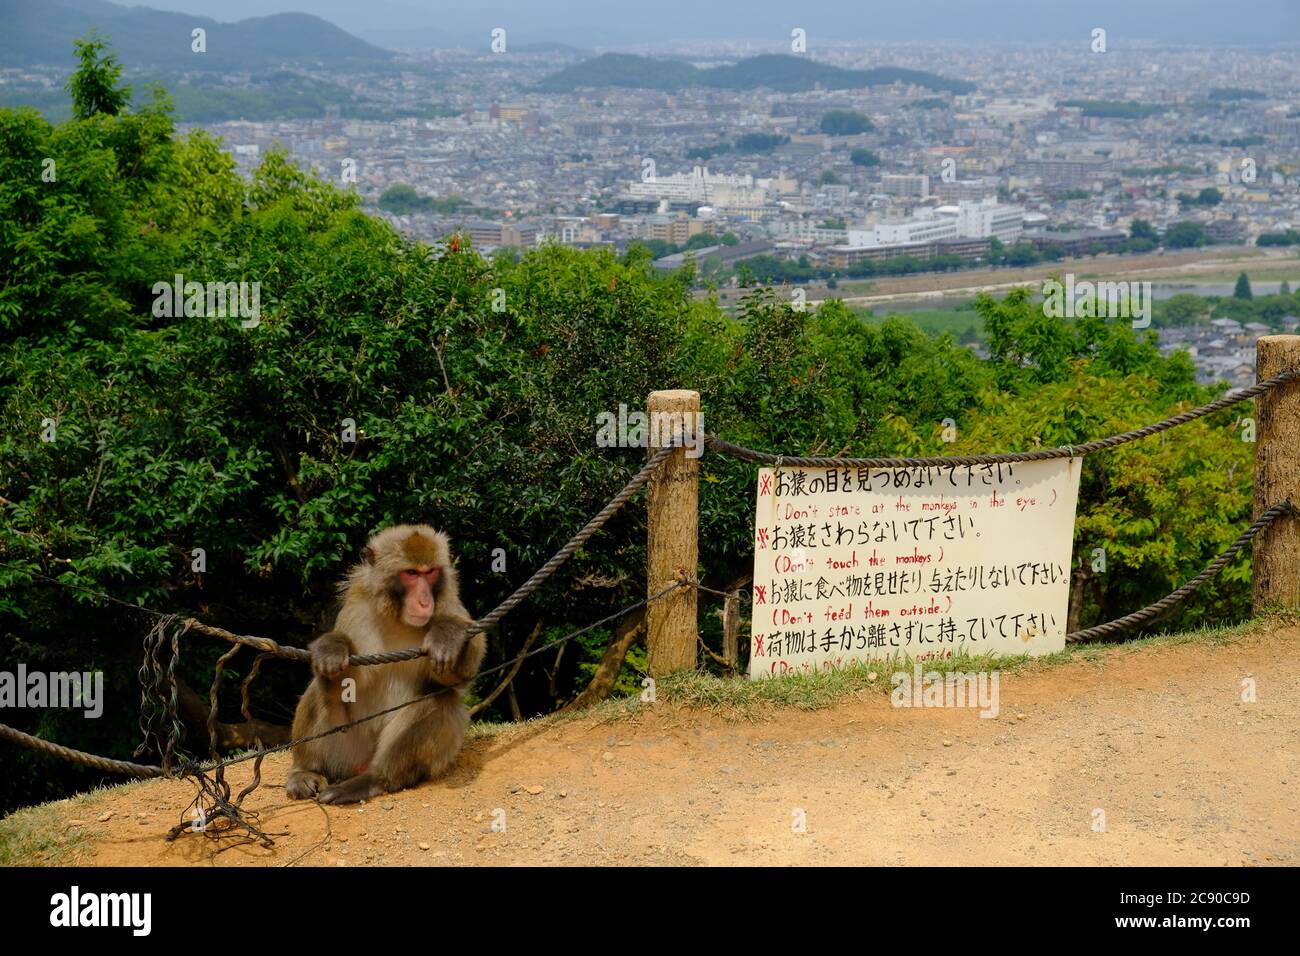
(303, 784)
(361, 787)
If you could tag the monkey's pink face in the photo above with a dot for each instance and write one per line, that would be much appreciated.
(418, 586)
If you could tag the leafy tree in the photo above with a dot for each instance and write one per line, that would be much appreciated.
(1141, 229)
(1289, 238)
(759, 142)
(94, 84)
(845, 123)
(864, 157)
(401, 199)
(1186, 235)
(1242, 290)
(1182, 308)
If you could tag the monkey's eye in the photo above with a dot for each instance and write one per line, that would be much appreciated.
(410, 575)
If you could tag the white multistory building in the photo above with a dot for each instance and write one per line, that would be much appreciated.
(721, 191)
(988, 219)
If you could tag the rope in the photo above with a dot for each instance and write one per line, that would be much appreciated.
(1068, 451)
(1214, 567)
(78, 756)
(566, 552)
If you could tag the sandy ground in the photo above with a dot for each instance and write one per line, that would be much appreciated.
(1156, 737)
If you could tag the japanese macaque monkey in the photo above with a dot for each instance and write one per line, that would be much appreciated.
(403, 594)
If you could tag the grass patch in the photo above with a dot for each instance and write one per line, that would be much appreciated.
(39, 836)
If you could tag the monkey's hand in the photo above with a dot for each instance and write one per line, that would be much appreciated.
(329, 654)
(444, 642)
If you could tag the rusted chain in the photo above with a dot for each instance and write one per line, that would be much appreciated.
(1066, 451)
(1214, 567)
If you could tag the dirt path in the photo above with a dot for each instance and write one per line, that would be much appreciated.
(1155, 736)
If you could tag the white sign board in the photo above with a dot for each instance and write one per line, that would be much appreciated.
(855, 564)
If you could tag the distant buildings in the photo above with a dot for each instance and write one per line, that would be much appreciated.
(984, 220)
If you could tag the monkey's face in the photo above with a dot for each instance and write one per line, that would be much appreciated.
(407, 568)
(417, 599)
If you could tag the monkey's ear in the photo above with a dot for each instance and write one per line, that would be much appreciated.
(368, 555)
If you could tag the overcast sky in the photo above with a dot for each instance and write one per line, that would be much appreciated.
(628, 22)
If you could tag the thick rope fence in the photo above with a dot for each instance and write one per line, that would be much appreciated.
(162, 729)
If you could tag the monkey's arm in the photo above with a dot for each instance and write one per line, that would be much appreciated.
(329, 654)
(445, 640)
(471, 658)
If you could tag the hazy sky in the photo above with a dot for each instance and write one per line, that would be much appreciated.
(614, 22)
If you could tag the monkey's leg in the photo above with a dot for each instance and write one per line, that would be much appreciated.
(331, 758)
(421, 741)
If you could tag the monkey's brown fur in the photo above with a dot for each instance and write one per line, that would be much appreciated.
(417, 742)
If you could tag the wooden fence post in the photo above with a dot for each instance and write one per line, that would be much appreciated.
(1276, 563)
(672, 547)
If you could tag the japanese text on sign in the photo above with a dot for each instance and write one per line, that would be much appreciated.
(855, 564)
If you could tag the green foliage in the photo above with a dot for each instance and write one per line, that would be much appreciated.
(401, 199)
(1186, 235)
(1113, 109)
(759, 142)
(864, 157)
(845, 123)
(94, 84)
(1290, 237)
(1242, 289)
(1209, 196)
(1141, 229)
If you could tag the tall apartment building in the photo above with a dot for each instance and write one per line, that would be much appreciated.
(989, 219)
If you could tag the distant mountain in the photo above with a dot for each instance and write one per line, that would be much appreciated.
(622, 69)
(42, 31)
(788, 74)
